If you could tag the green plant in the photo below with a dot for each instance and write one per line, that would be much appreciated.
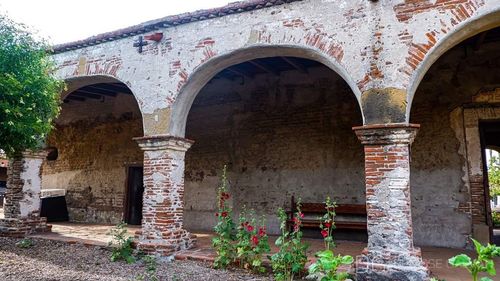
(122, 244)
(494, 176)
(482, 264)
(224, 229)
(29, 95)
(252, 243)
(151, 268)
(25, 243)
(327, 224)
(326, 266)
(291, 257)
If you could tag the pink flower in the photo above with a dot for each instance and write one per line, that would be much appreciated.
(324, 233)
(328, 224)
(249, 228)
(301, 215)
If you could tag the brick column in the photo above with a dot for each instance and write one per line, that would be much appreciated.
(163, 231)
(390, 254)
(22, 197)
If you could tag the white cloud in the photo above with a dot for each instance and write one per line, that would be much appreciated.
(62, 21)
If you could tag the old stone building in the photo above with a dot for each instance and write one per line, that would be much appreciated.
(385, 103)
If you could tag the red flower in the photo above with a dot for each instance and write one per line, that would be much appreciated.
(324, 233)
(224, 214)
(255, 240)
(216, 214)
(328, 224)
(301, 215)
(262, 231)
(249, 228)
(224, 195)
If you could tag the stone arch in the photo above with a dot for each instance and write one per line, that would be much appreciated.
(75, 82)
(200, 77)
(485, 22)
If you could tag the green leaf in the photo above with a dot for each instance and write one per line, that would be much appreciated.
(490, 268)
(477, 245)
(347, 260)
(461, 260)
(485, 279)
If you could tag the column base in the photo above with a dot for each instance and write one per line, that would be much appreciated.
(22, 227)
(171, 242)
(391, 266)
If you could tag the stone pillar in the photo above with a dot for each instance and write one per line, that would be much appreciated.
(162, 230)
(390, 254)
(22, 197)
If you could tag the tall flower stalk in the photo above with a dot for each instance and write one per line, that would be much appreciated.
(224, 229)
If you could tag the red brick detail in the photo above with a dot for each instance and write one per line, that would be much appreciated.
(460, 9)
(99, 65)
(323, 42)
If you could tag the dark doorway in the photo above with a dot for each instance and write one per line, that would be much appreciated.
(490, 140)
(135, 190)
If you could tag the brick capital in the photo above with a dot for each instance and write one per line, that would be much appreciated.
(163, 142)
(378, 134)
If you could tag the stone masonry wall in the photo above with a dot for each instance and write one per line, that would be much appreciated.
(95, 145)
(439, 183)
(280, 136)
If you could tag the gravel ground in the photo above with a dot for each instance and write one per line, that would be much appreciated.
(51, 260)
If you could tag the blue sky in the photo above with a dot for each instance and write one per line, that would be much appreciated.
(62, 21)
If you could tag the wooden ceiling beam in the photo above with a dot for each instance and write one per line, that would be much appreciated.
(295, 64)
(75, 98)
(87, 95)
(264, 68)
(92, 90)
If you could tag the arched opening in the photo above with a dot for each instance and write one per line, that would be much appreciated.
(97, 160)
(283, 125)
(460, 91)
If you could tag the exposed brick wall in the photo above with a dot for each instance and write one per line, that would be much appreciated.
(280, 137)
(95, 145)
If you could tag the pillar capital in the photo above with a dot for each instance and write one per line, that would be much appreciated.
(379, 134)
(163, 142)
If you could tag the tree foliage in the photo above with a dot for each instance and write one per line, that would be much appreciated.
(29, 94)
(494, 176)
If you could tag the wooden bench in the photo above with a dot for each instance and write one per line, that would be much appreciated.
(348, 216)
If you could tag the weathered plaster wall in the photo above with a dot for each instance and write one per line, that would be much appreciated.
(280, 136)
(439, 179)
(375, 46)
(94, 140)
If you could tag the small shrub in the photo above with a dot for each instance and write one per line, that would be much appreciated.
(224, 229)
(122, 244)
(482, 264)
(151, 268)
(291, 258)
(252, 243)
(326, 266)
(25, 243)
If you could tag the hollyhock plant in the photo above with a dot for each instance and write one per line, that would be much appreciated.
(252, 242)
(224, 230)
(326, 266)
(291, 258)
